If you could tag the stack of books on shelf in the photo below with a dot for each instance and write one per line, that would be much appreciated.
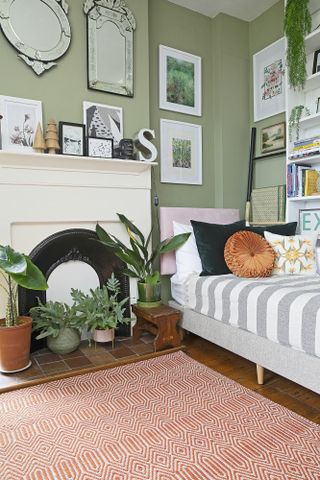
(301, 180)
(305, 148)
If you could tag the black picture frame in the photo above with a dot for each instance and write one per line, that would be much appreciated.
(316, 62)
(93, 149)
(71, 149)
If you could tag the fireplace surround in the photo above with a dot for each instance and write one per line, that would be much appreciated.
(51, 204)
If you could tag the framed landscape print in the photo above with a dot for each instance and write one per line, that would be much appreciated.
(19, 123)
(103, 121)
(72, 138)
(180, 81)
(269, 80)
(181, 152)
(273, 138)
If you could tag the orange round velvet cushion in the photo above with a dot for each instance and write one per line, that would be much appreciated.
(249, 255)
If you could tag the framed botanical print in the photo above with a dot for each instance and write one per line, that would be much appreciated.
(20, 120)
(180, 81)
(269, 80)
(181, 152)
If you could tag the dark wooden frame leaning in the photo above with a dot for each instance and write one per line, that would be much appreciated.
(76, 125)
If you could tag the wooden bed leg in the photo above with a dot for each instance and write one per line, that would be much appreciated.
(260, 374)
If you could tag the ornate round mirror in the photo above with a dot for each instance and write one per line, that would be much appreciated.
(38, 29)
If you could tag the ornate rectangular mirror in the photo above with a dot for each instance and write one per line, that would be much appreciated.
(110, 27)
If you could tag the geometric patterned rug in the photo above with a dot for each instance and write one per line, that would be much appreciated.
(168, 418)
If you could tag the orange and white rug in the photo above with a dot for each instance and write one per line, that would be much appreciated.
(168, 418)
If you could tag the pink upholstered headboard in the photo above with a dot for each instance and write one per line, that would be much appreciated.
(184, 215)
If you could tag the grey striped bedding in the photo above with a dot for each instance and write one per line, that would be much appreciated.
(284, 309)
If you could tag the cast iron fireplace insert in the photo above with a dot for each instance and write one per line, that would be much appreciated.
(76, 244)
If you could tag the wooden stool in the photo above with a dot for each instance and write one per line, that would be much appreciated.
(161, 322)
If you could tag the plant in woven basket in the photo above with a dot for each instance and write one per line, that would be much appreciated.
(297, 24)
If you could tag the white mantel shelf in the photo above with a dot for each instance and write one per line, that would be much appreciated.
(72, 163)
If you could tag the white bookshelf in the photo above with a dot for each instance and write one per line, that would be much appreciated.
(309, 125)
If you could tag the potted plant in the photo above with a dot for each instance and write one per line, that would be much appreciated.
(100, 309)
(17, 269)
(60, 324)
(140, 258)
(297, 24)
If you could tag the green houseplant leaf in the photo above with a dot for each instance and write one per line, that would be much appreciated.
(139, 260)
(18, 269)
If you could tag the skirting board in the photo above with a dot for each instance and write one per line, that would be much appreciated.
(287, 362)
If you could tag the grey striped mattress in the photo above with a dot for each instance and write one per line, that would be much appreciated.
(284, 309)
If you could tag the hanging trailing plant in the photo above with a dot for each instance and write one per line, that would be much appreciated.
(294, 121)
(297, 24)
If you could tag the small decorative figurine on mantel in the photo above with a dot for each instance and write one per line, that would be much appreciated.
(39, 144)
(52, 137)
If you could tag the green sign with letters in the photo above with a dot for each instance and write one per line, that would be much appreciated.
(309, 220)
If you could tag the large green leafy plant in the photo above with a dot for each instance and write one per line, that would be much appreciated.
(139, 258)
(297, 24)
(17, 269)
(101, 310)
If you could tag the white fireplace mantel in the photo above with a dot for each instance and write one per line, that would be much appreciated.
(41, 194)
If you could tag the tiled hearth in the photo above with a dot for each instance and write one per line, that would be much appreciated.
(46, 364)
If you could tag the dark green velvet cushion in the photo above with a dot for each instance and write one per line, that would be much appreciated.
(287, 229)
(211, 239)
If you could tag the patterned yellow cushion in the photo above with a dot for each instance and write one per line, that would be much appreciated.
(294, 255)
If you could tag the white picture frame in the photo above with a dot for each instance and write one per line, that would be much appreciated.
(107, 124)
(171, 63)
(181, 152)
(269, 80)
(19, 124)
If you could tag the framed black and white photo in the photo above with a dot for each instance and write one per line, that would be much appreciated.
(181, 152)
(316, 62)
(269, 80)
(103, 121)
(180, 81)
(19, 124)
(72, 138)
(100, 147)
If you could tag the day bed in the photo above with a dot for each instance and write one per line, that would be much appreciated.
(293, 364)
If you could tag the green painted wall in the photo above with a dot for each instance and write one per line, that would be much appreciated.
(230, 40)
(63, 88)
(185, 30)
(263, 31)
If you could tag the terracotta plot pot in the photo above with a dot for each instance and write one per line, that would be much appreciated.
(15, 345)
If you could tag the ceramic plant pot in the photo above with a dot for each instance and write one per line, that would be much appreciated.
(67, 341)
(149, 295)
(103, 336)
(15, 345)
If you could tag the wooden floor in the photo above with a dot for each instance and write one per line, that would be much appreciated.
(276, 388)
(289, 394)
